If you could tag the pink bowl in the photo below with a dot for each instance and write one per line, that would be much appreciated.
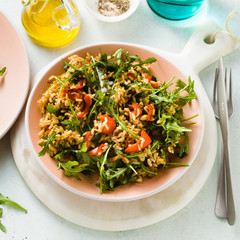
(86, 187)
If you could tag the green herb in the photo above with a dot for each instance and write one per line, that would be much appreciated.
(52, 109)
(101, 169)
(146, 169)
(177, 164)
(72, 168)
(2, 71)
(74, 123)
(155, 145)
(45, 144)
(2, 227)
(8, 201)
(173, 126)
(131, 155)
(65, 81)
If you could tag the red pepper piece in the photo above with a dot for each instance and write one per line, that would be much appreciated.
(143, 142)
(87, 139)
(155, 84)
(132, 75)
(72, 94)
(137, 111)
(96, 150)
(127, 142)
(150, 112)
(148, 77)
(110, 122)
(81, 84)
(87, 104)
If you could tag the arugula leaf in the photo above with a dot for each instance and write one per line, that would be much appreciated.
(92, 111)
(2, 227)
(118, 54)
(2, 71)
(160, 99)
(131, 155)
(155, 144)
(101, 168)
(173, 126)
(115, 173)
(45, 145)
(146, 169)
(141, 63)
(66, 80)
(8, 201)
(73, 124)
(72, 168)
(148, 60)
(52, 109)
(177, 164)
(78, 70)
(181, 150)
(181, 86)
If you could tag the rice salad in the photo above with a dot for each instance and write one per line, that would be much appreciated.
(107, 114)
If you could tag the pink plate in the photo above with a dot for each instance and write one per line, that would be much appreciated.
(163, 70)
(14, 87)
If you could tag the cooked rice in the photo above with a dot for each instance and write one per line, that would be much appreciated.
(59, 94)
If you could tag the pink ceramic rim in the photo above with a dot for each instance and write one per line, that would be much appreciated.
(20, 103)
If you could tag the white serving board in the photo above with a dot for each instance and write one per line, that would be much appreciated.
(120, 216)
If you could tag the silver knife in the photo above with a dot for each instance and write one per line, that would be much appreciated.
(223, 118)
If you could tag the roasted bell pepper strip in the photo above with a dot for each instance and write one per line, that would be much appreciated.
(127, 142)
(110, 124)
(148, 77)
(150, 112)
(132, 75)
(96, 150)
(87, 104)
(72, 94)
(143, 142)
(155, 84)
(81, 84)
(137, 111)
(87, 139)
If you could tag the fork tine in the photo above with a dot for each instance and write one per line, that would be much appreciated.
(225, 79)
(230, 101)
(215, 107)
(215, 85)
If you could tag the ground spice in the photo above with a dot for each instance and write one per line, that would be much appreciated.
(113, 7)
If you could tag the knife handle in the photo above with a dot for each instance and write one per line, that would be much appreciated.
(221, 204)
(230, 199)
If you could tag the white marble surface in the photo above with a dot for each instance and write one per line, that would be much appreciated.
(197, 219)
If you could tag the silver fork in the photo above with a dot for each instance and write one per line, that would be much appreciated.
(221, 203)
(230, 98)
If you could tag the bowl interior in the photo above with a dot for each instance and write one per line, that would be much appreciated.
(92, 6)
(164, 71)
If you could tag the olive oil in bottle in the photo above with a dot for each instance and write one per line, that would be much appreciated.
(51, 23)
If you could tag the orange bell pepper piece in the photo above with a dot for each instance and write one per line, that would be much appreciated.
(143, 142)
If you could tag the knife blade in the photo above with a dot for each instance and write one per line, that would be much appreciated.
(223, 119)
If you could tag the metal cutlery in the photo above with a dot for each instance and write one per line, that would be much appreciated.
(223, 108)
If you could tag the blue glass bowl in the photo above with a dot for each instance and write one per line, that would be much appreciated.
(176, 9)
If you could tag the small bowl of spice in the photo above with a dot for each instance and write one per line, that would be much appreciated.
(111, 10)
